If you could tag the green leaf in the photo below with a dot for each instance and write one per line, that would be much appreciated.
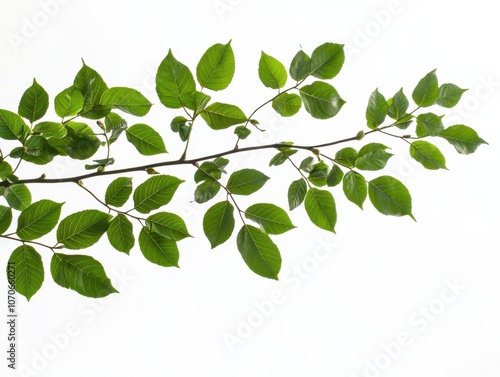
(404, 122)
(34, 102)
(270, 217)
(222, 115)
(427, 90)
(334, 176)
(281, 157)
(327, 60)
(120, 234)
(127, 100)
(201, 101)
(287, 104)
(346, 157)
(5, 218)
(449, 95)
(296, 193)
(158, 249)
(242, 132)
(82, 274)
(82, 229)
(398, 105)
(12, 126)
(175, 84)
(177, 123)
(156, 192)
(168, 225)
(321, 209)
(18, 196)
(218, 223)
(92, 86)
(207, 171)
(390, 197)
(354, 186)
(206, 191)
(215, 69)
(118, 192)
(5, 170)
(376, 110)
(259, 252)
(372, 157)
(114, 121)
(300, 67)
(145, 139)
(51, 130)
(246, 181)
(38, 219)
(428, 155)
(463, 138)
(272, 72)
(38, 151)
(318, 174)
(29, 270)
(321, 100)
(69, 102)
(307, 164)
(429, 124)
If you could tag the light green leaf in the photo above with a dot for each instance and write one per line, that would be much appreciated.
(82, 229)
(38, 219)
(128, 100)
(218, 223)
(449, 95)
(118, 192)
(215, 69)
(206, 191)
(242, 132)
(246, 181)
(334, 176)
(282, 157)
(321, 100)
(5, 218)
(376, 110)
(327, 60)
(429, 124)
(12, 126)
(398, 105)
(428, 155)
(29, 270)
(321, 209)
(145, 139)
(427, 90)
(120, 234)
(307, 164)
(82, 274)
(156, 192)
(346, 157)
(49, 130)
(300, 67)
(222, 115)
(270, 217)
(272, 72)
(34, 102)
(18, 196)
(354, 186)
(287, 104)
(92, 87)
(177, 123)
(69, 102)
(168, 225)
(259, 252)
(175, 84)
(113, 121)
(158, 249)
(372, 157)
(390, 197)
(463, 138)
(5, 169)
(296, 193)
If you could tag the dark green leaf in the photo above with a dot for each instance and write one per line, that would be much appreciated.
(51, 130)
(296, 193)
(398, 105)
(5, 218)
(168, 225)
(429, 124)
(206, 191)
(321, 100)
(270, 217)
(177, 123)
(318, 174)
(372, 157)
(307, 164)
(18, 196)
(207, 171)
(300, 67)
(246, 181)
(354, 186)
(259, 252)
(346, 157)
(12, 126)
(145, 139)
(120, 234)
(281, 157)
(321, 209)
(449, 95)
(376, 110)
(34, 102)
(128, 100)
(38, 151)
(118, 192)
(390, 197)
(92, 86)
(155, 192)
(82, 229)
(38, 219)
(215, 70)
(428, 155)
(287, 104)
(463, 138)
(427, 90)
(158, 249)
(5, 169)
(69, 102)
(404, 122)
(335, 176)
(218, 223)
(29, 270)
(242, 132)
(272, 72)
(175, 84)
(327, 60)
(221, 115)
(82, 274)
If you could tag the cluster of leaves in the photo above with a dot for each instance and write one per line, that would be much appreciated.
(89, 98)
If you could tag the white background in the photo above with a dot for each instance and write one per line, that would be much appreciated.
(359, 291)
